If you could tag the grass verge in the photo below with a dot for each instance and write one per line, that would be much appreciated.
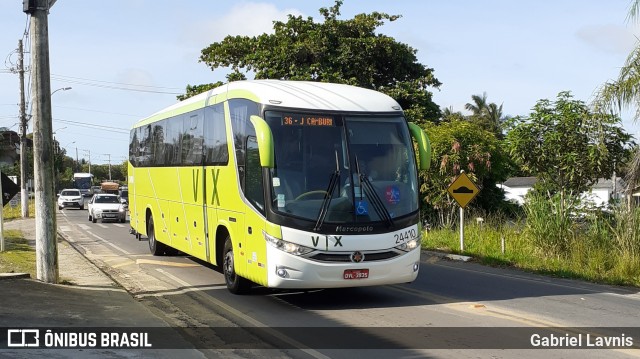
(586, 256)
(19, 256)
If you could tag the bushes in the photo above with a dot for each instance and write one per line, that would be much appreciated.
(554, 238)
(549, 224)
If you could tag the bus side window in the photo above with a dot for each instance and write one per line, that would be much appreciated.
(253, 174)
(215, 136)
(192, 138)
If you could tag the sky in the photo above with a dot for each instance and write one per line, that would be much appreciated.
(127, 59)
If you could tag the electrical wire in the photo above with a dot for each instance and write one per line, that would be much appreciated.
(94, 126)
(89, 110)
(96, 84)
(116, 83)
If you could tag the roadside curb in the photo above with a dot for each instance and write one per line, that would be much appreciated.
(453, 257)
(14, 275)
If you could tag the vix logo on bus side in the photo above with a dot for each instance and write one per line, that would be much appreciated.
(215, 174)
(195, 179)
(316, 240)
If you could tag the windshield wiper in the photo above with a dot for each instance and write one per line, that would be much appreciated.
(370, 192)
(380, 208)
(326, 202)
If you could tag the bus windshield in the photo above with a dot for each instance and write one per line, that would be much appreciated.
(365, 162)
(83, 182)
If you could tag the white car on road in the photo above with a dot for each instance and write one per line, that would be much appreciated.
(70, 198)
(106, 206)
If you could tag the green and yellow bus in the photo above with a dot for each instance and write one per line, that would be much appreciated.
(285, 184)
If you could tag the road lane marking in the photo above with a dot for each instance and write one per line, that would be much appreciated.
(525, 278)
(181, 291)
(65, 229)
(84, 226)
(109, 243)
(166, 263)
(103, 225)
(248, 319)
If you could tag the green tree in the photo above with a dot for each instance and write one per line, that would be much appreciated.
(197, 89)
(478, 105)
(488, 115)
(461, 145)
(623, 93)
(567, 146)
(334, 50)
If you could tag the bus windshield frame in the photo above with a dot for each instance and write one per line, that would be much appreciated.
(366, 161)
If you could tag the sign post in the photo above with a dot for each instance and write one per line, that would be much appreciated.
(463, 190)
(8, 189)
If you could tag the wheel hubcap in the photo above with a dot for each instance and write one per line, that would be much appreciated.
(228, 266)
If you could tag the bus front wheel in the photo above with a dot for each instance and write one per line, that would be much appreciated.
(235, 283)
(156, 248)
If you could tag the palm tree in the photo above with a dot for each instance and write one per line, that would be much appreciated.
(495, 118)
(624, 93)
(488, 115)
(479, 105)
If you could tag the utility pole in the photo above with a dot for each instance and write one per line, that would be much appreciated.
(24, 191)
(108, 154)
(89, 152)
(46, 225)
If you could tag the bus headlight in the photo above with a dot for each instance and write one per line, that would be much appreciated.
(285, 246)
(411, 244)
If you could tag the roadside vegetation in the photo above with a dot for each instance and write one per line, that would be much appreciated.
(595, 245)
(19, 255)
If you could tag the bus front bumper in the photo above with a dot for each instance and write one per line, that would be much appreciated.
(294, 272)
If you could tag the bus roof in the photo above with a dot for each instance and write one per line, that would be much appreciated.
(291, 94)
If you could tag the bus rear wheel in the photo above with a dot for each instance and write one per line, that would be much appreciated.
(156, 248)
(235, 283)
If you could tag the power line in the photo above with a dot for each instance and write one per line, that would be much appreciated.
(102, 137)
(89, 110)
(107, 85)
(25, 34)
(116, 83)
(91, 125)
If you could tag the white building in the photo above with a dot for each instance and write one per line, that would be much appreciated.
(515, 189)
(604, 191)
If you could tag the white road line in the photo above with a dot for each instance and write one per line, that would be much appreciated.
(254, 322)
(102, 225)
(65, 229)
(109, 243)
(181, 291)
(119, 225)
(548, 281)
(84, 226)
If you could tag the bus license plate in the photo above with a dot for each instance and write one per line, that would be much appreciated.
(356, 274)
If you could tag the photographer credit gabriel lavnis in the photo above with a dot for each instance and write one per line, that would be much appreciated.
(581, 340)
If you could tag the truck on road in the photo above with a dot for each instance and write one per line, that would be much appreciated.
(110, 187)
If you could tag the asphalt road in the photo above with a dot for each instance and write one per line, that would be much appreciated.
(453, 309)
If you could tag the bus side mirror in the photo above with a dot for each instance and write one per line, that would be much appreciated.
(265, 141)
(424, 146)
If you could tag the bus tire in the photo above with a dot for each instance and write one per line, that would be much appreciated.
(156, 248)
(235, 283)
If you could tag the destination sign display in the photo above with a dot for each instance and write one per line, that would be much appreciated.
(307, 120)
